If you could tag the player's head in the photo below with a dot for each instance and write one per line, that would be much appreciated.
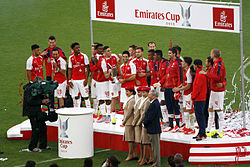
(158, 55)
(178, 159)
(187, 62)
(30, 164)
(171, 161)
(178, 48)
(209, 62)
(35, 50)
(93, 48)
(197, 64)
(75, 47)
(99, 48)
(172, 53)
(107, 51)
(139, 52)
(55, 53)
(130, 92)
(52, 41)
(192, 70)
(88, 162)
(215, 53)
(153, 94)
(151, 45)
(125, 56)
(132, 49)
(151, 53)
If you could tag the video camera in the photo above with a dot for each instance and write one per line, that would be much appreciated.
(45, 88)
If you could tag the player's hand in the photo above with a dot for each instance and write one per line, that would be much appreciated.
(95, 85)
(162, 89)
(176, 89)
(110, 71)
(95, 60)
(67, 87)
(137, 82)
(203, 72)
(45, 101)
(121, 80)
(71, 85)
(141, 74)
(156, 85)
(85, 83)
(220, 85)
(120, 56)
(44, 53)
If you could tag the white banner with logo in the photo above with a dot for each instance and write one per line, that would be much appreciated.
(167, 13)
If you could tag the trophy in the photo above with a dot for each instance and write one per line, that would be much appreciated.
(185, 13)
(63, 127)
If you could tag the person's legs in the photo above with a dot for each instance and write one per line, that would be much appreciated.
(199, 113)
(144, 157)
(156, 149)
(130, 151)
(169, 103)
(43, 135)
(34, 134)
(51, 96)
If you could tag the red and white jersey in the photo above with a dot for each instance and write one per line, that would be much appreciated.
(153, 68)
(78, 64)
(127, 71)
(101, 68)
(113, 61)
(61, 64)
(35, 64)
(141, 67)
(188, 79)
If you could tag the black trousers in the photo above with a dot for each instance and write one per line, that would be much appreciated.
(148, 80)
(200, 117)
(39, 133)
(51, 96)
(172, 106)
(216, 119)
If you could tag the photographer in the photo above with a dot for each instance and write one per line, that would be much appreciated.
(32, 109)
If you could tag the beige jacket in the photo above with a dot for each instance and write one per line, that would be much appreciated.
(129, 112)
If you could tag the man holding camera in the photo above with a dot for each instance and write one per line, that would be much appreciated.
(32, 109)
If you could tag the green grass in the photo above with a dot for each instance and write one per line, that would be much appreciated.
(26, 22)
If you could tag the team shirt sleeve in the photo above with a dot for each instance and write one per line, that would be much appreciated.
(29, 64)
(133, 68)
(63, 64)
(86, 60)
(70, 63)
(104, 66)
(189, 77)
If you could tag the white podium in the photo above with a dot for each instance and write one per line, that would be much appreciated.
(75, 132)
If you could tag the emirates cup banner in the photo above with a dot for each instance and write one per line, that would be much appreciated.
(170, 14)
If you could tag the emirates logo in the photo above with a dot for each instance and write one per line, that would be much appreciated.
(223, 17)
(105, 7)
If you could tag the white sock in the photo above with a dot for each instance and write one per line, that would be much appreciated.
(103, 109)
(221, 121)
(191, 119)
(186, 119)
(87, 103)
(77, 102)
(210, 121)
(112, 115)
(108, 109)
(164, 113)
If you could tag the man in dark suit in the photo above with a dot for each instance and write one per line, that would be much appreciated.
(152, 124)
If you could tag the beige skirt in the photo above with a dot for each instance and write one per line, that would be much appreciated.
(144, 136)
(138, 129)
(129, 133)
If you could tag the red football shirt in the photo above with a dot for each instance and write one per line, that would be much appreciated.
(127, 71)
(61, 64)
(35, 64)
(78, 63)
(141, 67)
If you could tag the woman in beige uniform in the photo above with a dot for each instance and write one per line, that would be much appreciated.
(134, 123)
(144, 136)
(129, 133)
